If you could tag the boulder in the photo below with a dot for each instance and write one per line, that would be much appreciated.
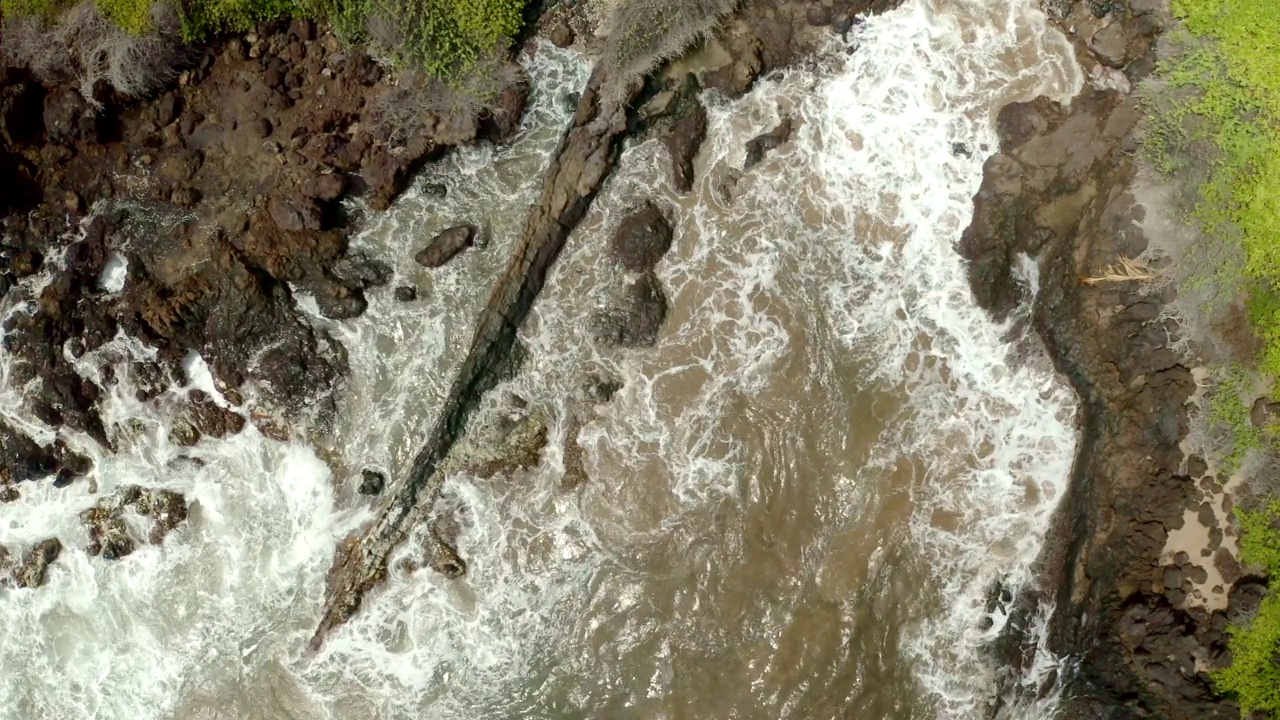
(446, 245)
(501, 122)
(406, 293)
(358, 270)
(561, 35)
(34, 568)
(210, 418)
(642, 239)
(371, 482)
(295, 214)
(326, 187)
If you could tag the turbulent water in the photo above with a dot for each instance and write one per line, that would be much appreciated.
(795, 504)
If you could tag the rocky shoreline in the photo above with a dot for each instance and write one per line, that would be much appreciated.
(1138, 623)
(215, 203)
(219, 202)
(227, 196)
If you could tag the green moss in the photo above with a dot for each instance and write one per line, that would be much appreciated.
(1254, 674)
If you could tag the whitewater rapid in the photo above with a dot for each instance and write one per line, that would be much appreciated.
(823, 364)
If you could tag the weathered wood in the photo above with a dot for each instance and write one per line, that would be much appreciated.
(587, 154)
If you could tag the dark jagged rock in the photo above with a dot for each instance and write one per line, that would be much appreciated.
(260, 143)
(326, 187)
(357, 270)
(210, 418)
(371, 482)
(642, 239)
(762, 144)
(21, 458)
(685, 134)
(111, 537)
(501, 122)
(575, 467)
(406, 293)
(34, 568)
(166, 509)
(446, 245)
(634, 317)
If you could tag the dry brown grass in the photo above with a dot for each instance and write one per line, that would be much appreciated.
(85, 48)
(1126, 270)
(642, 34)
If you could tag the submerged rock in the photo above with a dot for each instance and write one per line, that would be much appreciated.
(601, 389)
(762, 144)
(446, 246)
(633, 318)
(406, 293)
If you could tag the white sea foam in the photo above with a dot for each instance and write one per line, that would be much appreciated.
(835, 252)
(114, 273)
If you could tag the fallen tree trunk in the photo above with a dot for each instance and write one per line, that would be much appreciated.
(587, 155)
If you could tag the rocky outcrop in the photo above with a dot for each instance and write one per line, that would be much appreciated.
(227, 194)
(119, 523)
(1059, 190)
(586, 156)
(23, 459)
(33, 569)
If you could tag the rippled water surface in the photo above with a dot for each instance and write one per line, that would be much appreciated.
(794, 505)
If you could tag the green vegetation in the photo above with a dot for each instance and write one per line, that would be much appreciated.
(132, 16)
(441, 38)
(1215, 125)
(202, 19)
(1254, 674)
(1221, 102)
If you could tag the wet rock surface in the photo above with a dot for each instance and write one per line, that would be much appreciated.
(1059, 190)
(642, 239)
(214, 200)
(227, 194)
(446, 245)
(118, 524)
(32, 570)
(371, 482)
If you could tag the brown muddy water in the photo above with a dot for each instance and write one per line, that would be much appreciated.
(795, 504)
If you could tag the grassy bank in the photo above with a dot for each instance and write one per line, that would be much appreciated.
(1214, 129)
